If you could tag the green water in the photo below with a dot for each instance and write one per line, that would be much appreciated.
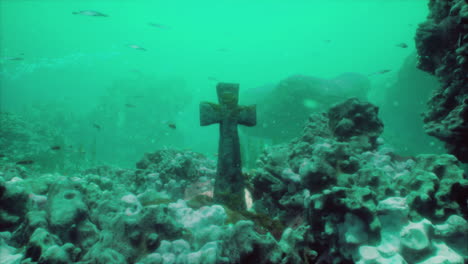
(78, 71)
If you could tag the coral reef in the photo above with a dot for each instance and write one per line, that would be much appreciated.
(334, 194)
(442, 44)
(356, 194)
(41, 146)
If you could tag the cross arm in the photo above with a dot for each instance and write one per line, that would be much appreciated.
(210, 113)
(247, 115)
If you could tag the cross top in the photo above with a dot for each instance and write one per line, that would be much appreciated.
(228, 97)
(229, 185)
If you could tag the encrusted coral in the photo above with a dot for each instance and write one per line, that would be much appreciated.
(442, 44)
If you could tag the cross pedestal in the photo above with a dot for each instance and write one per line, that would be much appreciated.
(229, 186)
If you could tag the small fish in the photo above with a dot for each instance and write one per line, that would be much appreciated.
(136, 47)
(211, 78)
(402, 45)
(89, 13)
(222, 50)
(2, 156)
(380, 72)
(98, 127)
(14, 58)
(130, 105)
(157, 25)
(136, 71)
(25, 162)
(136, 96)
(172, 126)
(57, 147)
(327, 41)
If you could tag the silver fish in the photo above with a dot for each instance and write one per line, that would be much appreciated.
(89, 13)
(157, 25)
(14, 58)
(379, 72)
(402, 45)
(133, 46)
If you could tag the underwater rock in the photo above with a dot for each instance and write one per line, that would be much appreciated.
(393, 216)
(436, 187)
(442, 46)
(334, 200)
(283, 108)
(106, 255)
(415, 241)
(180, 174)
(455, 232)
(244, 245)
(443, 254)
(59, 255)
(416, 86)
(9, 254)
(39, 242)
(14, 200)
(66, 208)
(369, 254)
(353, 193)
(354, 118)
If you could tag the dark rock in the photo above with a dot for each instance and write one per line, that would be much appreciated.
(355, 118)
(13, 202)
(442, 46)
(283, 109)
(178, 165)
(66, 208)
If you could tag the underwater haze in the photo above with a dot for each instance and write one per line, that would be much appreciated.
(233, 131)
(141, 69)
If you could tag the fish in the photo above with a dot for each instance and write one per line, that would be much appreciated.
(211, 78)
(327, 41)
(136, 47)
(89, 13)
(222, 50)
(14, 58)
(2, 156)
(25, 162)
(172, 126)
(157, 25)
(98, 127)
(136, 96)
(402, 45)
(380, 72)
(56, 147)
(130, 105)
(136, 71)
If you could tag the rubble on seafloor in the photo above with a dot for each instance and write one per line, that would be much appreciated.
(335, 194)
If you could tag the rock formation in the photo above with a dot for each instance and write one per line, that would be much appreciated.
(442, 44)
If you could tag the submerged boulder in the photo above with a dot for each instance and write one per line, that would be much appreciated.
(442, 47)
(282, 109)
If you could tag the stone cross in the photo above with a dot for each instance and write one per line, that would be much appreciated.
(229, 185)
